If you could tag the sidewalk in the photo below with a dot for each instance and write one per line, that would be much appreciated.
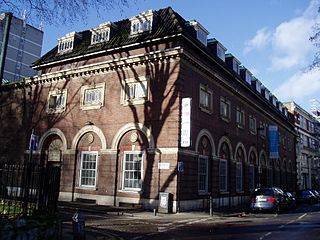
(98, 215)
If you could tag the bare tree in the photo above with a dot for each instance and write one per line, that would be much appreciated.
(315, 39)
(60, 11)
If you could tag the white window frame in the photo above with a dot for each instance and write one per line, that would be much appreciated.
(203, 174)
(239, 176)
(93, 170)
(240, 118)
(225, 109)
(66, 43)
(124, 170)
(142, 82)
(223, 175)
(92, 104)
(263, 129)
(101, 33)
(141, 23)
(60, 107)
(100, 36)
(205, 99)
(252, 124)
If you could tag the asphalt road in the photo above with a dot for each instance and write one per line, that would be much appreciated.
(301, 223)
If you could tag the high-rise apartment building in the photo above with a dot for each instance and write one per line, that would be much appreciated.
(21, 45)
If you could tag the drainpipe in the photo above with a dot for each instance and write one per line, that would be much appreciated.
(7, 19)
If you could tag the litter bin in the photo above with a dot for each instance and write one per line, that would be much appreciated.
(78, 226)
(165, 202)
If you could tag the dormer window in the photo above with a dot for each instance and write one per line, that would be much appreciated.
(142, 23)
(280, 106)
(217, 48)
(66, 43)
(273, 100)
(248, 77)
(256, 84)
(101, 33)
(233, 63)
(265, 92)
(221, 50)
(236, 65)
(202, 33)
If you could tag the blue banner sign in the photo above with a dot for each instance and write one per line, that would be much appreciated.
(273, 142)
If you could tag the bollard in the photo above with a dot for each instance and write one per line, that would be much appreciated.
(78, 225)
(211, 206)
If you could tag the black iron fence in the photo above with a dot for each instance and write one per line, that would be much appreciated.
(26, 189)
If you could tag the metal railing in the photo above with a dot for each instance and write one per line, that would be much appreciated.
(26, 189)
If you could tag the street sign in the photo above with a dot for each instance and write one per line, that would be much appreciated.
(181, 167)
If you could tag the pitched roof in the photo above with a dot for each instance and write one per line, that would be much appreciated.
(166, 22)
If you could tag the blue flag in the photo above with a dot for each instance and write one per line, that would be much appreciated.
(34, 141)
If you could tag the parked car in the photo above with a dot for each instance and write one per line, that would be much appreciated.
(317, 194)
(269, 199)
(291, 199)
(307, 196)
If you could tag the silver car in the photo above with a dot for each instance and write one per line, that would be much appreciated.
(269, 199)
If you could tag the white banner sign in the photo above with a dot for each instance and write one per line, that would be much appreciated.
(186, 122)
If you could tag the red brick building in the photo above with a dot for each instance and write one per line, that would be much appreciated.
(120, 106)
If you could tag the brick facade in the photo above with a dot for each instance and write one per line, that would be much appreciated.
(175, 66)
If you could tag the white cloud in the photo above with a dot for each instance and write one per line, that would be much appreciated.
(290, 44)
(300, 85)
(259, 41)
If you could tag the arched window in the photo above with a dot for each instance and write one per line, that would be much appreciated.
(239, 170)
(224, 167)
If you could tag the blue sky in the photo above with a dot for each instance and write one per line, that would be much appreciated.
(269, 37)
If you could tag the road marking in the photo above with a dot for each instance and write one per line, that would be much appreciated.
(302, 216)
(292, 221)
(265, 235)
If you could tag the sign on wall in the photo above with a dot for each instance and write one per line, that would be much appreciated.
(273, 142)
(186, 122)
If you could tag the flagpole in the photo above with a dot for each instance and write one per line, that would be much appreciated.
(28, 174)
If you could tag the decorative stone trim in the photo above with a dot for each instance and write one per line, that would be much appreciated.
(206, 132)
(240, 145)
(132, 126)
(54, 131)
(90, 128)
(226, 140)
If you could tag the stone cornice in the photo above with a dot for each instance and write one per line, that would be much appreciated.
(103, 67)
